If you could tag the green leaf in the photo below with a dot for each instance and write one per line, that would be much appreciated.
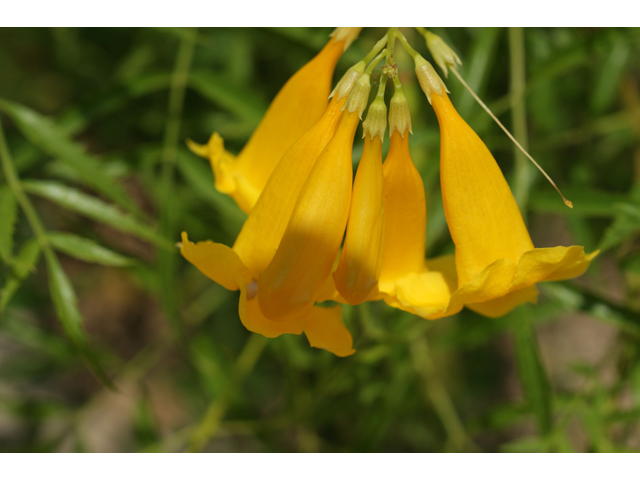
(23, 264)
(48, 136)
(531, 372)
(625, 224)
(242, 103)
(86, 250)
(8, 211)
(66, 307)
(94, 208)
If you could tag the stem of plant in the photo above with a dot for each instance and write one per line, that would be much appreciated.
(166, 194)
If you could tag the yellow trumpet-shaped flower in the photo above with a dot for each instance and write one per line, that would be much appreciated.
(407, 281)
(387, 230)
(299, 273)
(303, 262)
(242, 266)
(356, 276)
(295, 109)
(496, 262)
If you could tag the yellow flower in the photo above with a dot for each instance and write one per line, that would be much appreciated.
(296, 108)
(496, 262)
(302, 264)
(407, 281)
(249, 263)
(356, 277)
(383, 256)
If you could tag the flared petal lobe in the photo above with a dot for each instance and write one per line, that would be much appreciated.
(323, 326)
(295, 109)
(356, 277)
(299, 270)
(325, 329)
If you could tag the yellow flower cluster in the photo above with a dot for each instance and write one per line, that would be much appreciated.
(295, 180)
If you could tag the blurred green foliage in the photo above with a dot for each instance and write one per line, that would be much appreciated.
(110, 341)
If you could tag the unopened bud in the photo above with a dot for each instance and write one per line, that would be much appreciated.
(376, 121)
(399, 115)
(442, 53)
(429, 80)
(344, 86)
(359, 96)
(348, 34)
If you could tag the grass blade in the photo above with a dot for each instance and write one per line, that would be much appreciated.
(531, 372)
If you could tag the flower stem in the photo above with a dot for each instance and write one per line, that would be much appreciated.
(437, 393)
(209, 424)
(410, 50)
(376, 48)
(166, 195)
(523, 169)
(16, 188)
(375, 62)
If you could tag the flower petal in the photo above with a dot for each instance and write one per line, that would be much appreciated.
(545, 264)
(254, 320)
(427, 293)
(405, 215)
(298, 272)
(216, 261)
(501, 306)
(493, 282)
(356, 277)
(324, 328)
(227, 178)
(262, 231)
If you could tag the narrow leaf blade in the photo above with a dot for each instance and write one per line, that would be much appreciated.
(531, 371)
(87, 250)
(66, 307)
(94, 208)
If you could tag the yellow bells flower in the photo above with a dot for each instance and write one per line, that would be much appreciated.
(496, 261)
(406, 280)
(298, 273)
(239, 267)
(356, 277)
(295, 109)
